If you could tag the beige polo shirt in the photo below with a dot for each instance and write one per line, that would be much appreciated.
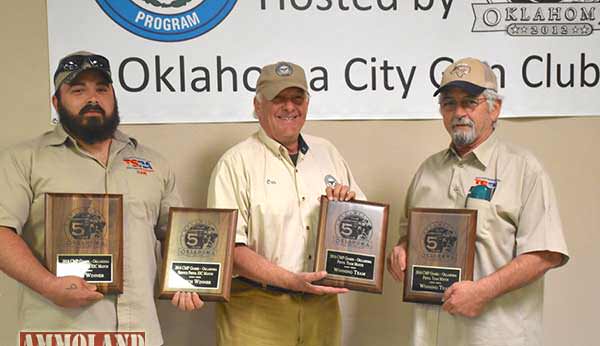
(278, 202)
(54, 163)
(521, 217)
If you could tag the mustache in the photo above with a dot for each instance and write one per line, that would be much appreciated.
(462, 121)
(92, 107)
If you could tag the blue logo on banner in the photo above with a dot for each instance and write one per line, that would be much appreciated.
(167, 20)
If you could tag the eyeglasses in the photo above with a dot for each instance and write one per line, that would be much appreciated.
(76, 62)
(468, 103)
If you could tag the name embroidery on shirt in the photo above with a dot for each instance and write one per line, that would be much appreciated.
(142, 166)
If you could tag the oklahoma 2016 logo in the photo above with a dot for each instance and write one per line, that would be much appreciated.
(167, 20)
(537, 17)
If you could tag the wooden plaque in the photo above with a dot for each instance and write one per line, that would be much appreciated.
(440, 252)
(198, 253)
(84, 237)
(351, 244)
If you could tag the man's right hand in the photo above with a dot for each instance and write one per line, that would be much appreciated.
(396, 261)
(71, 292)
(304, 284)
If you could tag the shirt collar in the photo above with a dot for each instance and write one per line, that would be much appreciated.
(59, 136)
(302, 145)
(482, 152)
(279, 148)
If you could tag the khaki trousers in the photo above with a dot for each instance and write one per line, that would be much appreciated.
(261, 317)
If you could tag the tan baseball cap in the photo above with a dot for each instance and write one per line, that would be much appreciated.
(70, 66)
(275, 78)
(469, 74)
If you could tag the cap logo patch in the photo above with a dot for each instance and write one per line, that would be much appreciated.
(284, 69)
(461, 70)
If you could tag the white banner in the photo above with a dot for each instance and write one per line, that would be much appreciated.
(198, 60)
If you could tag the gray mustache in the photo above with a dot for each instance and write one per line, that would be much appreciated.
(462, 121)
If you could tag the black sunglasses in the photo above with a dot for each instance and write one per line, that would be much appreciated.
(76, 62)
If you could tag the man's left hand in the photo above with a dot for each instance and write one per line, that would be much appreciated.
(187, 301)
(466, 298)
(340, 193)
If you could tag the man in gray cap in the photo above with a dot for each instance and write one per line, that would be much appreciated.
(85, 153)
(519, 233)
(275, 178)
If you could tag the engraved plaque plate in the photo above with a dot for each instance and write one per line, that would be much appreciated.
(198, 253)
(84, 237)
(351, 244)
(440, 252)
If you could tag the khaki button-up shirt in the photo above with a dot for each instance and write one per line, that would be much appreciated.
(278, 202)
(522, 216)
(55, 163)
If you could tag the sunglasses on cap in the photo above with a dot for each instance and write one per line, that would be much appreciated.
(76, 62)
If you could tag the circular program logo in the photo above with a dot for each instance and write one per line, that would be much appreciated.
(198, 238)
(85, 224)
(167, 20)
(439, 240)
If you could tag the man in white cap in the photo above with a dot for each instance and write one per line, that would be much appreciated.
(85, 153)
(275, 178)
(519, 232)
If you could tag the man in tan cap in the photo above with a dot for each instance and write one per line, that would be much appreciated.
(519, 233)
(275, 178)
(85, 153)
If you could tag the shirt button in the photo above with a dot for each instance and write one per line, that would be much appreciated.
(303, 198)
(456, 189)
(460, 165)
(308, 228)
(296, 170)
(309, 257)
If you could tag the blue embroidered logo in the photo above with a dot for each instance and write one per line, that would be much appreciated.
(167, 20)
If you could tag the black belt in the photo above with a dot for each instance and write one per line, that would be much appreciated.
(268, 287)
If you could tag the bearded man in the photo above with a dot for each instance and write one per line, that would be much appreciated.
(85, 153)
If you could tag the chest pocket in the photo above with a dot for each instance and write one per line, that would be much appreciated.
(141, 192)
(275, 199)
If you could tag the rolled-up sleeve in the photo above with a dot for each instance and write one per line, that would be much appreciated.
(540, 226)
(15, 188)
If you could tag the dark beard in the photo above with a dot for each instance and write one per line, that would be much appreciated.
(93, 129)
